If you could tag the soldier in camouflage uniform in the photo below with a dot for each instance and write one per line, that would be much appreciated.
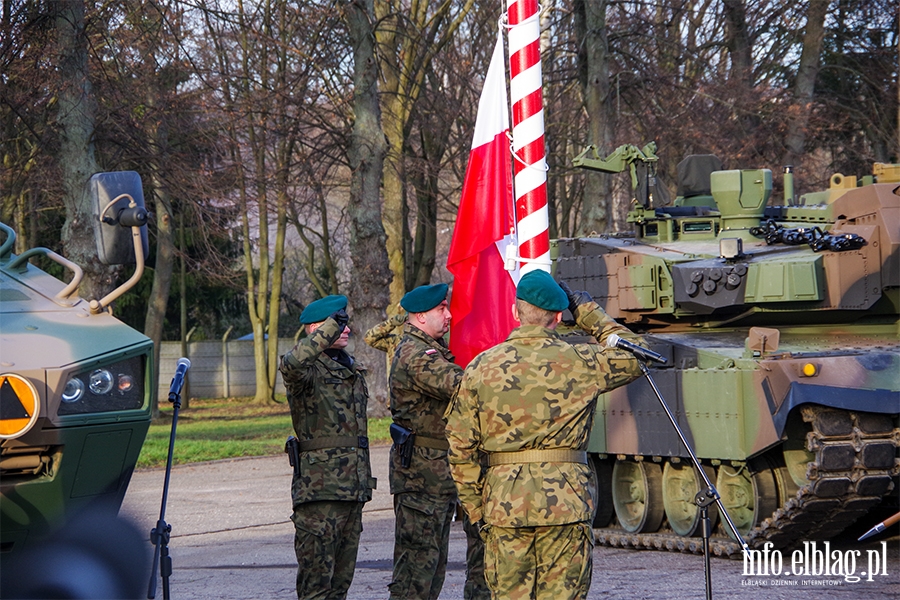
(327, 394)
(423, 378)
(529, 404)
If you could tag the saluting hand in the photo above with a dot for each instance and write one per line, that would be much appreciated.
(576, 298)
(341, 317)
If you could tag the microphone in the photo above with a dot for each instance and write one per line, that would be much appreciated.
(614, 341)
(178, 380)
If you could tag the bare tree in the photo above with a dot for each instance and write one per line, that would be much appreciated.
(253, 60)
(319, 264)
(76, 123)
(27, 108)
(245, 117)
(409, 37)
(593, 73)
(804, 83)
(158, 92)
(855, 102)
(369, 287)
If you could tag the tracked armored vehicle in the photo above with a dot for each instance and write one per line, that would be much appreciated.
(75, 382)
(781, 331)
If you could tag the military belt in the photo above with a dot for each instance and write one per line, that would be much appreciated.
(339, 441)
(552, 455)
(429, 442)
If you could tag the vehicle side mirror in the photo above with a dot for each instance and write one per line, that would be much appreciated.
(117, 203)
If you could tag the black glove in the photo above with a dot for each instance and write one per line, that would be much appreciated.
(576, 299)
(341, 317)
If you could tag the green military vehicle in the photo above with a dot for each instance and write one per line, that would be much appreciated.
(76, 384)
(780, 326)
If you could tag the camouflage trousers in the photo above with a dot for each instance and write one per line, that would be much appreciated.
(326, 540)
(476, 587)
(421, 543)
(551, 562)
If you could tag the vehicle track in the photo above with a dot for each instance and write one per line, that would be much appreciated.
(854, 467)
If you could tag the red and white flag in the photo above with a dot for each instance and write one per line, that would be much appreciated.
(483, 290)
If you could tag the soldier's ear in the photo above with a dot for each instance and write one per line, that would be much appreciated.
(515, 313)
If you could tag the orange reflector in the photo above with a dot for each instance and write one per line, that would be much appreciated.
(19, 405)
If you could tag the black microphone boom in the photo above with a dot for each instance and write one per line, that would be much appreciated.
(178, 380)
(614, 341)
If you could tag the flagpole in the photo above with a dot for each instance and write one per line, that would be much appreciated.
(529, 156)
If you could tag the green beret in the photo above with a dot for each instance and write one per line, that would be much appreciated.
(322, 309)
(538, 288)
(424, 297)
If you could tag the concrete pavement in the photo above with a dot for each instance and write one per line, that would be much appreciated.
(232, 538)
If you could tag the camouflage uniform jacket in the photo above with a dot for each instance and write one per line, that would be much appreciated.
(386, 335)
(423, 379)
(327, 399)
(534, 391)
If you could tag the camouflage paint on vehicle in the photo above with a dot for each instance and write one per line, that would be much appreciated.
(75, 386)
(783, 356)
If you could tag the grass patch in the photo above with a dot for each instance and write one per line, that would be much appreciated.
(213, 429)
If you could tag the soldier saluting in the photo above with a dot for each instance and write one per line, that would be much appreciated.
(326, 390)
(529, 404)
(423, 379)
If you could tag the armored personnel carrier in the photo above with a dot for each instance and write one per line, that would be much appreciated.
(75, 382)
(780, 325)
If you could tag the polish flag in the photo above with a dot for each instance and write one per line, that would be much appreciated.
(483, 290)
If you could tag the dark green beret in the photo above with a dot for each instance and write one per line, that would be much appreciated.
(424, 297)
(538, 288)
(322, 309)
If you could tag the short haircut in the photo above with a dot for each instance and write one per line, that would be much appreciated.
(529, 314)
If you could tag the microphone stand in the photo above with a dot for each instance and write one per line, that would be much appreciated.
(704, 497)
(159, 535)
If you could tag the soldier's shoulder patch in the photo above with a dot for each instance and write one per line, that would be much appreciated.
(431, 351)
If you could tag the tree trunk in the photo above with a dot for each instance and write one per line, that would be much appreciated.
(286, 150)
(369, 289)
(164, 265)
(264, 114)
(738, 38)
(805, 83)
(394, 214)
(77, 108)
(408, 38)
(593, 59)
(162, 276)
(426, 181)
(250, 111)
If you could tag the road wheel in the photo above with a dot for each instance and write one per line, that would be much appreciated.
(637, 495)
(748, 497)
(680, 485)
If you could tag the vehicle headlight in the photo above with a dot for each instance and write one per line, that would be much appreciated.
(74, 390)
(101, 382)
(124, 383)
(116, 386)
